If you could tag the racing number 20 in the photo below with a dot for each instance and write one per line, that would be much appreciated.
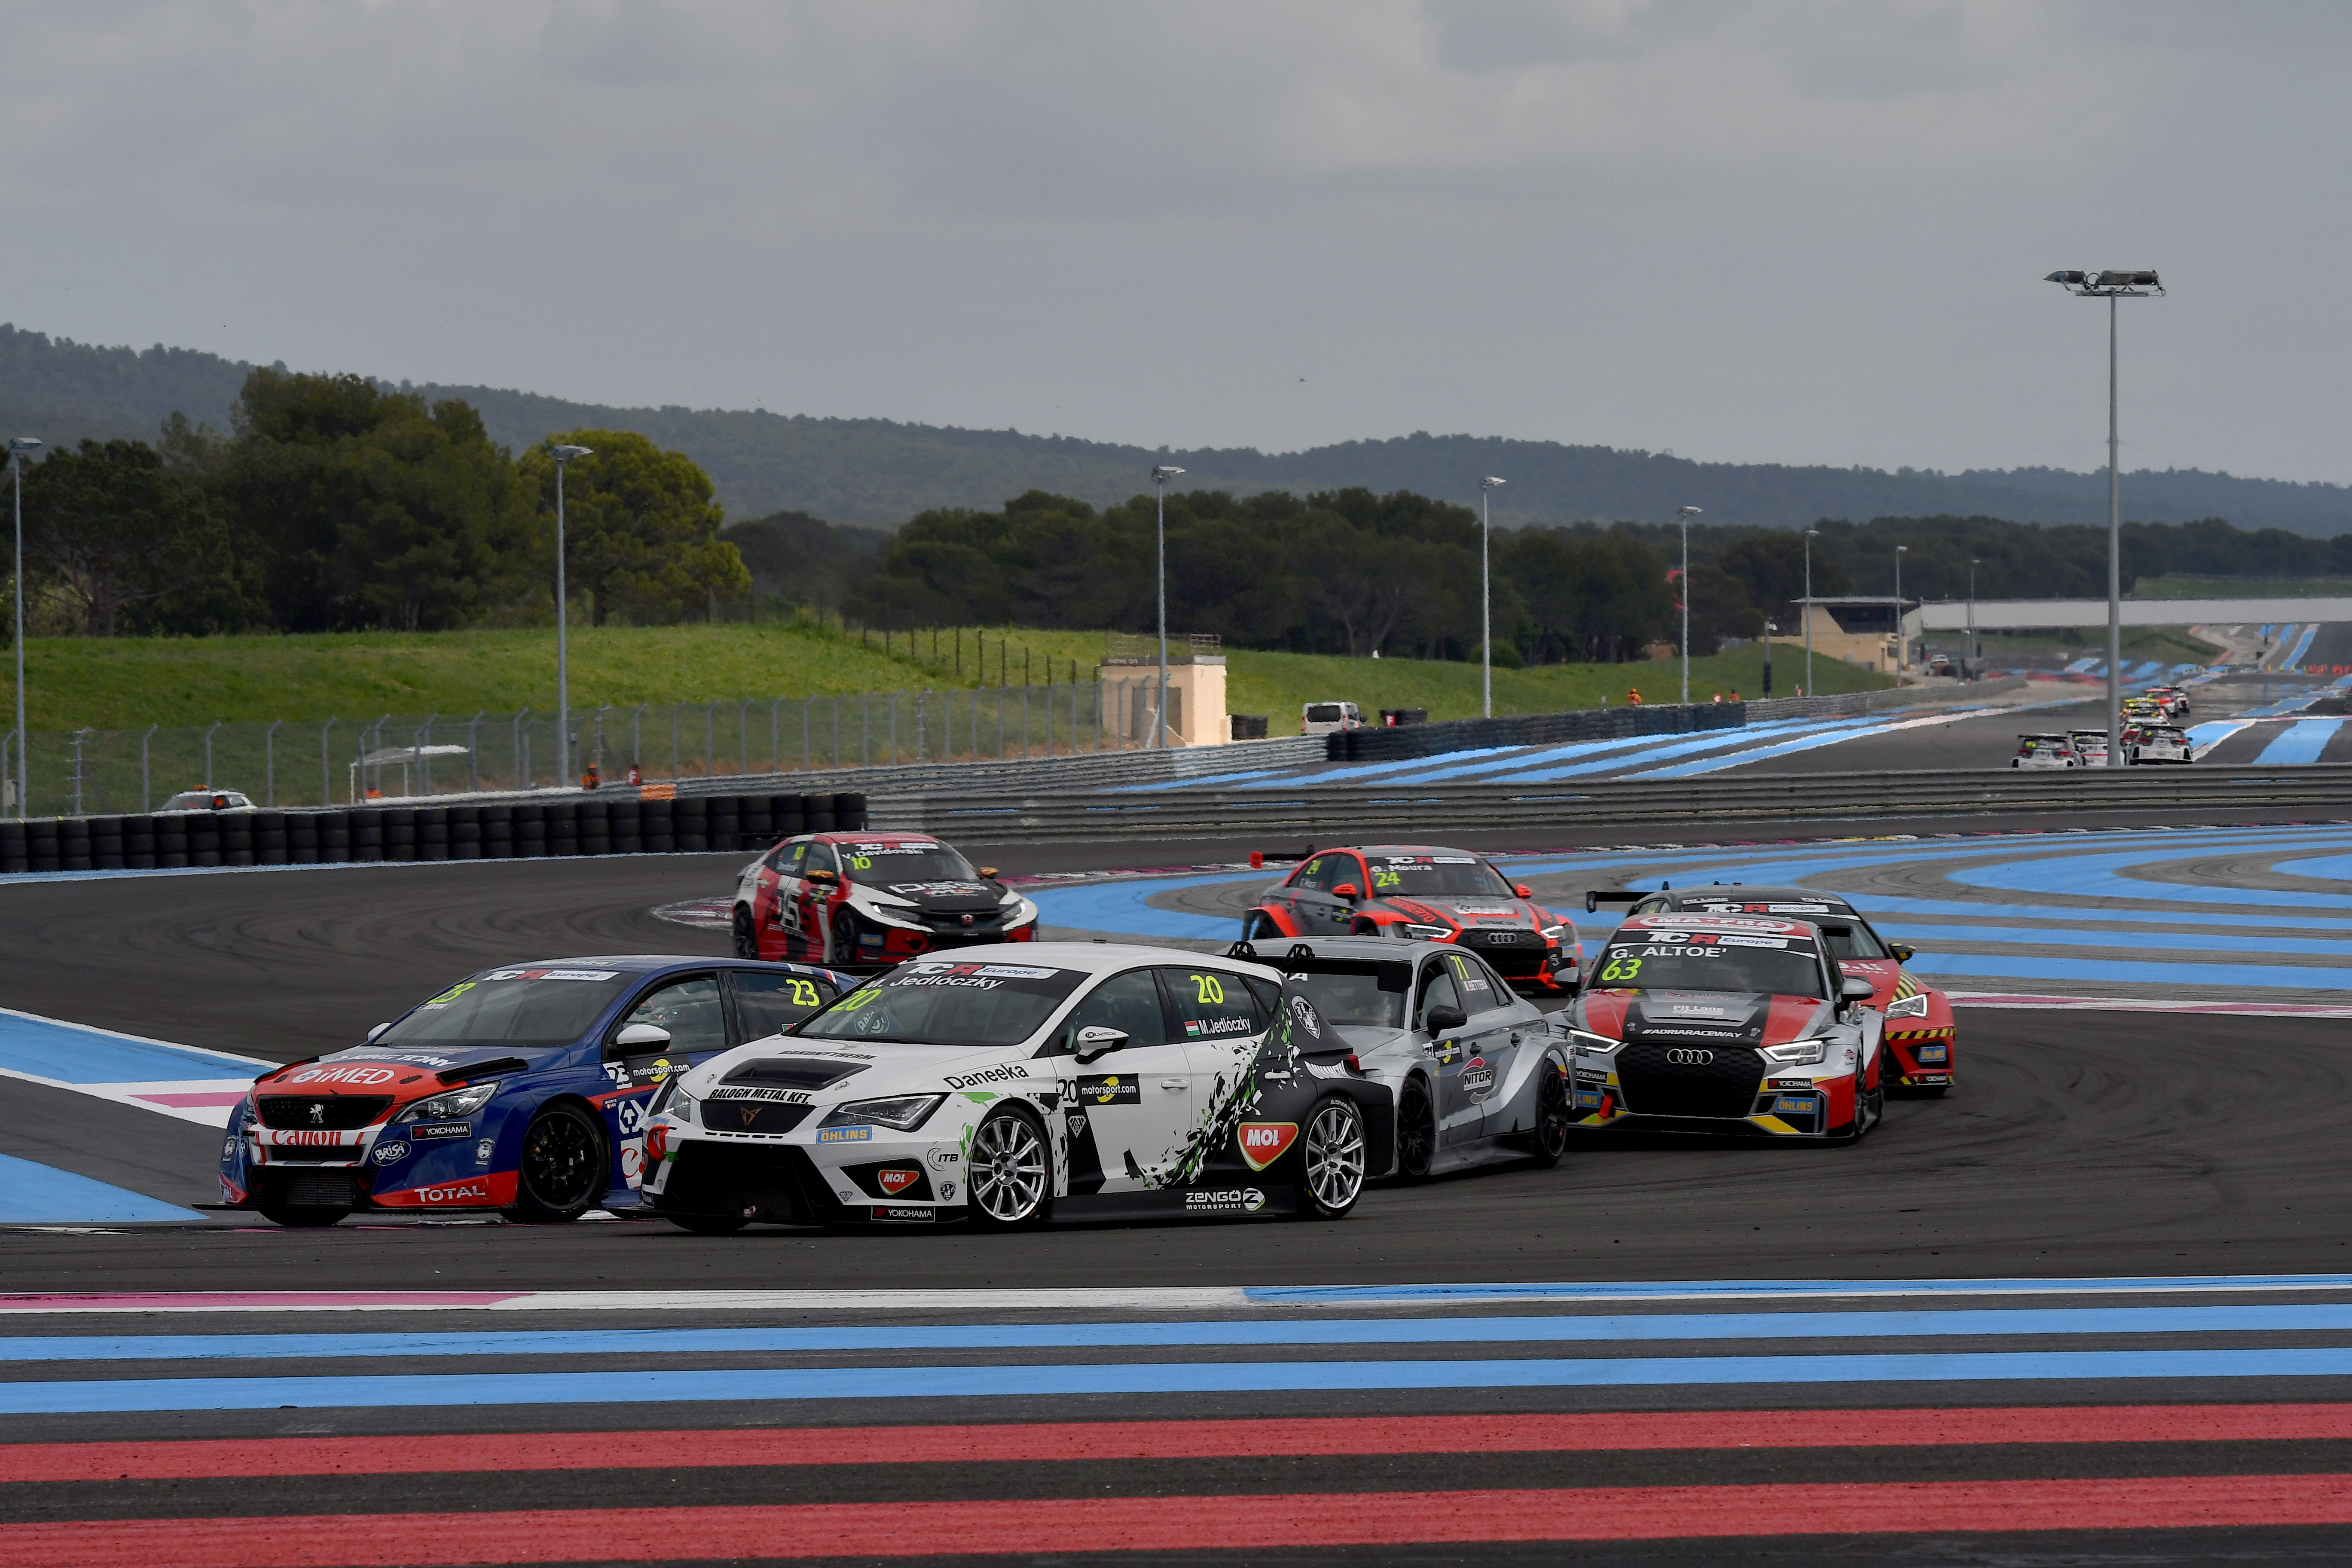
(1208, 988)
(1621, 969)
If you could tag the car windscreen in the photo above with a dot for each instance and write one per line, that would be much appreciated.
(1323, 713)
(1345, 992)
(512, 1006)
(1435, 877)
(1705, 961)
(1851, 939)
(938, 1003)
(881, 865)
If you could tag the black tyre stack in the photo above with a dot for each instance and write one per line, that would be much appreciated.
(107, 852)
(691, 820)
(432, 833)
(465, 833)
(596, 826)
(658, 825)
(498, 832)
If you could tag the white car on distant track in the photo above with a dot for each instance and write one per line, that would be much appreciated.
(206, 800)
(2158, 744)
(2090, 747)
(2051, 751)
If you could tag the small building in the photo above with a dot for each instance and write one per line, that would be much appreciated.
(1196, 691)
(1860, 628)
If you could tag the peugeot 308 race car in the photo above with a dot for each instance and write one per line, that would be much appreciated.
(1012, 1084)
(1427, 894)
(1922, 1032)
(865, 900)
(1477, 1073)
(522, 1089)
(1724, 1024)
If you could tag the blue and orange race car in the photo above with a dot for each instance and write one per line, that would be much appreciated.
(1422, 893)
(520, 1090)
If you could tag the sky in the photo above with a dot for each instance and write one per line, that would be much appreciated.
(1806, 232)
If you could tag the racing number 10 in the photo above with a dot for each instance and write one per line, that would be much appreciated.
(1208, 988)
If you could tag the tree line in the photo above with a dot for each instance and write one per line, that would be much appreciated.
(335, 504)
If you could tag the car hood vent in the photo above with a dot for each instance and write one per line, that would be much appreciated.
(794, 1072)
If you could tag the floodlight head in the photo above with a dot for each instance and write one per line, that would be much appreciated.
(1688, 511)
(23, 444)
(1901, 548)
(2128, 279)
(1490, 482)
(1162, 474)
(2072, 279)
(565, 454)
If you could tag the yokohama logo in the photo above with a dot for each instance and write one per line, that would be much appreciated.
(1263, 1143)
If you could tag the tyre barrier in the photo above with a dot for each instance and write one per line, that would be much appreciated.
(497, 830)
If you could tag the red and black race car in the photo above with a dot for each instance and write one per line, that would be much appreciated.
(1922, 1035)
(1426, 893)
(869, 900)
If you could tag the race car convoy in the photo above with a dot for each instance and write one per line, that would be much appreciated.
(1424, 893)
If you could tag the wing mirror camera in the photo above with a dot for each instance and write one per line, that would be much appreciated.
(1902, 951)
(642, 1034)
(1523, 890)
(1348, 890)
(1853, 988)
(377, 1033)
(989, 873)
(1437, 1020)
(819, 874)
(1095, 1041)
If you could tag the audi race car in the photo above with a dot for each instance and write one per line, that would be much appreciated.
(2148, 743)
(1477, 1074)
(866, 900)
(1427, 894)
(1922, 1033)
(2050, 751)
(2090, 746)
(1726, 1023)
(2174, 699)
(522, 1089)
(1012, 1084)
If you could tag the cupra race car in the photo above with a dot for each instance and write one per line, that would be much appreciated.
(2050, 751)
(1477, 1073)
(2150, 742)
(1013, 1084)
(866, 900)
(522, 1089)
(2090, 746)
(2174, 697)
(1419, 892)
(1724, 1024)
(1922, 1035)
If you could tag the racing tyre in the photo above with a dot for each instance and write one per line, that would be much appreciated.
(300, 1218)
(1010, 1174)
(1416, 1131)
(564, 1167)
(746, 937)
(1332, 1160)
(1551, 1139)
(844, 947)
(1260, 926)
(708, 1224)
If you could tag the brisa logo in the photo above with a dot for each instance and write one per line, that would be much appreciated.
(1263, 1143)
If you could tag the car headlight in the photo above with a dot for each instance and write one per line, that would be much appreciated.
(1554, 933)
(1428, 933)
(450, 1107)
(1909, 1007)
(1591, 1045)
(901, 1112)
(680, 1106)
(1798, 1053)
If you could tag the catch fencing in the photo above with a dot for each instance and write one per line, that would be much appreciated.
(346, 761)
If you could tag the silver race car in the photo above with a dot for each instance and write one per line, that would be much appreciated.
(1477, 1073)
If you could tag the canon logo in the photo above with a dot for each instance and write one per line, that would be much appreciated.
(1689, 1058)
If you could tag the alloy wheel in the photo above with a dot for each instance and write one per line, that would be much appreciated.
(1335, 1157)
(1008, 1170)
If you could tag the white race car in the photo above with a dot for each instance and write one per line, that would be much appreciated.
(2157, 743)
(2055, 749)
(1015, 1083)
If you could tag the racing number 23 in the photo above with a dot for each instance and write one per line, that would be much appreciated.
(1621, 969)
(1208, 988)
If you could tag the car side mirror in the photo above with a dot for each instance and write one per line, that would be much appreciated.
(1348, 890)
(1902, 951)
(988, 873)
(1856, 989)
(1095, 1041)
(377, 1033)
(1437, 1020)
(1523, 890)
(820, 875)
(649, 1036)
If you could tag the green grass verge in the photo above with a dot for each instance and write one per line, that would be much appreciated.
(128, 683)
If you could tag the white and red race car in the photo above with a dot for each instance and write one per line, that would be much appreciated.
(1422, 893)
(869, 900)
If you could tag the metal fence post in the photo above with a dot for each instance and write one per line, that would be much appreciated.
(326, 765)
(836, 729)
(600, 738)
(637, 739)
(520, 751)
(474, 754)
(922, 703)
(866, 731)
(1000, 723)
(208, 753)
(805, 732)
(270, 762)
(1025, 722)
(424, 763)
(743, 735)
(146, 794)
(775, 740)
(894, 729)
(673, 741)
(709, 736)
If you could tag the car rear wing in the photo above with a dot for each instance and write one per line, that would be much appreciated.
(1259, 857)
(1596, 897)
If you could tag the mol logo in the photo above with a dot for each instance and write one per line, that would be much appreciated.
(896, 1181)
(1263, 1143)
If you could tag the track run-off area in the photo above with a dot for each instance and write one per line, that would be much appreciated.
(2095, 1305)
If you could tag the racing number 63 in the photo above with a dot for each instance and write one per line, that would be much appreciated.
(1621, 969)
(1208, 988)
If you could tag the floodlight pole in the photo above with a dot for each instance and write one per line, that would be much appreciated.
(1159, 478)
(563, 455)
(1486, 607)
(1684, 516)
(1972, 615)
(18, 446)
(1902, 642)
(1811, 534)
(2110, 286)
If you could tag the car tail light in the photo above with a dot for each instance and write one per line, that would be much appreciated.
(1354, 1066)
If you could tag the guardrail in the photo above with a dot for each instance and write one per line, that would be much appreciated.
(1321, 810)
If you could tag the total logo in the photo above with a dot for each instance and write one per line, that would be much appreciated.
(896, 1181)
(458, 1193)
(1263, 1143)
(1223, 1200)
(361, 1076)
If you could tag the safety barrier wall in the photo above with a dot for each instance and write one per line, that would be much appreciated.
(1316, 809)
(617, 823)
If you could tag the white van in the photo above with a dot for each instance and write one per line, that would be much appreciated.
(1322, 718)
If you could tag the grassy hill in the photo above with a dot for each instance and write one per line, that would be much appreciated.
(883, 471)
(128, 683)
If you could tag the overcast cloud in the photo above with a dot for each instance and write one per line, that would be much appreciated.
(1797, 232)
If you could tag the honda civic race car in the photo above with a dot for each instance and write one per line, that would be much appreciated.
(1477, 1073)
(1014, 1084)
(522, 1089)
(1427, 894)
(1922, 1033)
(866, 900)
(1724, 1024)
